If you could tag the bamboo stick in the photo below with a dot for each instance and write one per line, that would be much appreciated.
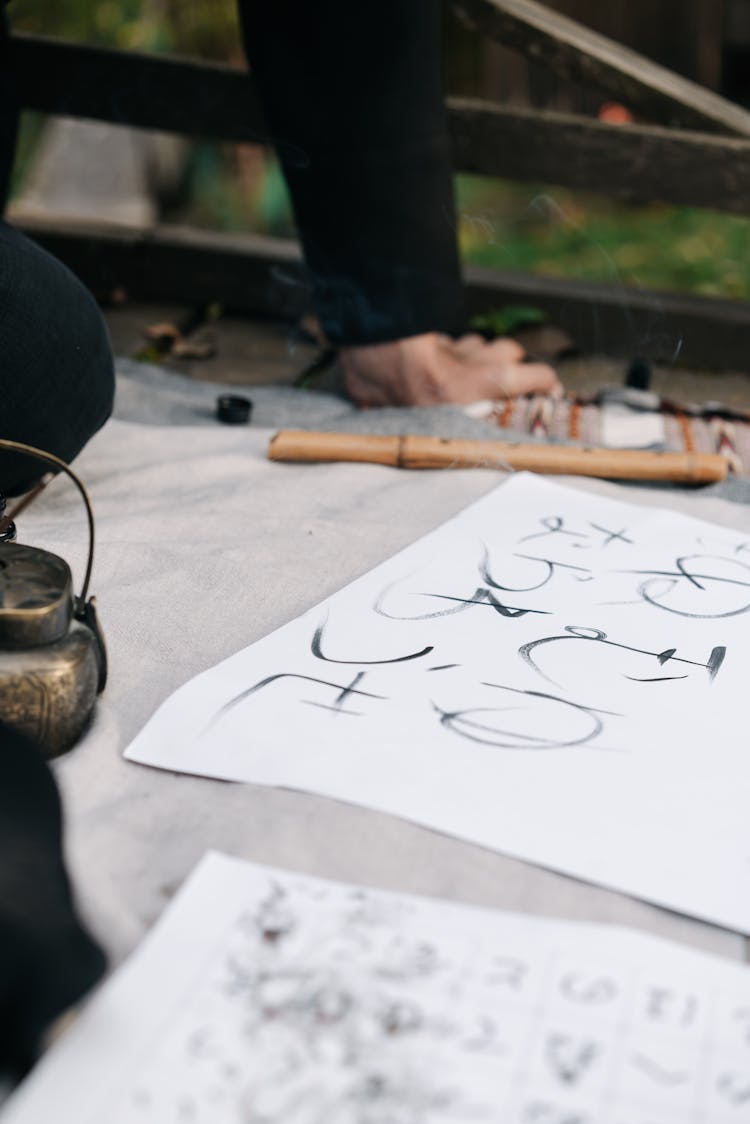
(443, 452)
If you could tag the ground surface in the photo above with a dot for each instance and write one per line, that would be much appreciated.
(252, 352)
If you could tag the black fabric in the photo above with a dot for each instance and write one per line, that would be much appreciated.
(47, 960)
(56, 368)
(354, 101)
(8, 115)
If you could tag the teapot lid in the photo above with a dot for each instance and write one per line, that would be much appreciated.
(36, 596)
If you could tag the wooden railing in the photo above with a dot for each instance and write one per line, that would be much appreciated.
(696, 152)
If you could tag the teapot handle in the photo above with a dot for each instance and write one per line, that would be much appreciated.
(56, 462)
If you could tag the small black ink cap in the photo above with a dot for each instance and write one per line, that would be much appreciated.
(233, 409)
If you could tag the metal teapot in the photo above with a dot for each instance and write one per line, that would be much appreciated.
(53, 661)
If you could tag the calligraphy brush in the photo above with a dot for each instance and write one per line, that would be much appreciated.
(412, 451)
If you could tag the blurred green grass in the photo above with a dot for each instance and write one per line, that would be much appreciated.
(553, 231)
(207, 28)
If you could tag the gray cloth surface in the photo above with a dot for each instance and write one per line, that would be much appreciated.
(203, 547)
(155, 396)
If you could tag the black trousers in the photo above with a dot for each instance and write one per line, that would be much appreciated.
(47, 961)
(56, 372)
(353, 97)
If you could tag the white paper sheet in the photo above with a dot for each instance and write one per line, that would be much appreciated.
(266, 997)
(551, 674)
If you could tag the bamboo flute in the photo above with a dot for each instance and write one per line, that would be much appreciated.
(442, 452)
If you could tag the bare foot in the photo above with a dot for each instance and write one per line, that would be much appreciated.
(432, 369)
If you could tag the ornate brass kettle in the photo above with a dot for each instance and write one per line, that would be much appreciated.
(53, 661)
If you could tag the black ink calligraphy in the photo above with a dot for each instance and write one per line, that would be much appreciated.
(531, 726)
(699, 580)
(595, 635)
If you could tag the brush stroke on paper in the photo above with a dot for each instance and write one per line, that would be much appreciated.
(265, 997)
